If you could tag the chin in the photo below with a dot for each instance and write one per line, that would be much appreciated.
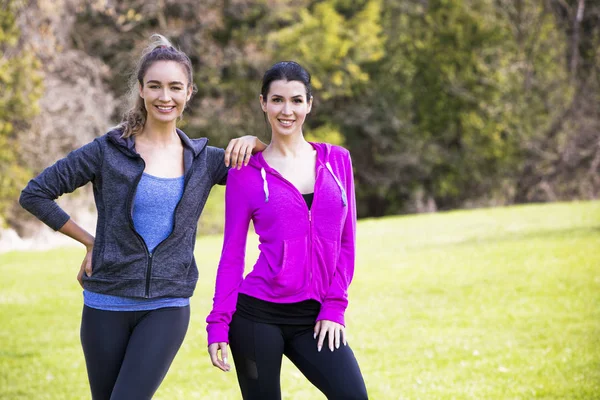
(286, 132)
(164, 119)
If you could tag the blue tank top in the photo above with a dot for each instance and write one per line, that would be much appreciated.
(153, 213)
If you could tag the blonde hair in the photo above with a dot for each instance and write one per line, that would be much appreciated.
(159, 49)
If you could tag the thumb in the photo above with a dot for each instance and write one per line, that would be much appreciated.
(224, 352)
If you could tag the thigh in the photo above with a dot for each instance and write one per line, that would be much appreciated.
(154, 342)
(104, 338)
(336, 373)
(257, 351)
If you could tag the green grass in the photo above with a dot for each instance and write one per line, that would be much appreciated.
(486, 304)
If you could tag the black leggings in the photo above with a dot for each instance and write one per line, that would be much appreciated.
(128, 353)
(258, 349)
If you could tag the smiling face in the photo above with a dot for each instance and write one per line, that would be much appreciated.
(165, 91)
(286, 107)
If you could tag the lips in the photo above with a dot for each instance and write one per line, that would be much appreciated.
(286, 122)
(165, 109)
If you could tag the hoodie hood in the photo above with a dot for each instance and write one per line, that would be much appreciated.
(323, 151)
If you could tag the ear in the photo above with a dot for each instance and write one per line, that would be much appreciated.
(310, 101)
(263, 103)
(189, 93)
(141, 90)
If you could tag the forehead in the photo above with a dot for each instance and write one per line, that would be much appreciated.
(166, 71)
(287, 88)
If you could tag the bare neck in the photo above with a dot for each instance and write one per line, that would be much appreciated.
(288, 146)
(161, 135)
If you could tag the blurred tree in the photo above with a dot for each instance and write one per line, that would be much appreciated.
(459, 78)
(562, 158)
(333, 40)
(21, 87)
(416, 91)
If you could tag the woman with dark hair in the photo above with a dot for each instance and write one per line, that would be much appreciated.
(300, 198)
(150, 185)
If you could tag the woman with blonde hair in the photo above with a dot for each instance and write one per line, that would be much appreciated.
(150, 183)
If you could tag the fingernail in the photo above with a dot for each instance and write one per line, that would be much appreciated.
(331, 348)
(318, 348)
(225, 360)
(315, 335)
(337, 346)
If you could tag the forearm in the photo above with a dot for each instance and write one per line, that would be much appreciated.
(72, 230)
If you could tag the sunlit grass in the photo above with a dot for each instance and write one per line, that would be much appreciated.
(485, 304)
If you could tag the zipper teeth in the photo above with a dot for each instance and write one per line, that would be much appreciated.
(148, 275)
(140, 238)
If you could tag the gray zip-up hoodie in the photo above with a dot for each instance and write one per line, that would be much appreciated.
(121, 263)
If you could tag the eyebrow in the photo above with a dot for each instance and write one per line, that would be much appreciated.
(293, 97)
(170, 83)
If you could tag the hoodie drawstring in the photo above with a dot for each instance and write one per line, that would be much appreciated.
(263, 173)
(344, 197)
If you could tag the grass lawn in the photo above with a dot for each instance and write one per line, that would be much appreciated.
(487, 304)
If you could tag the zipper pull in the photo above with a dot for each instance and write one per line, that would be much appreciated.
(309, 216)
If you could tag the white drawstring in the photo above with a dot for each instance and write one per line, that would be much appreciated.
(263, 173)
(344, 197)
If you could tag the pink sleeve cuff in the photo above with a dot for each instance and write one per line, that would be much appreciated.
(332, 314)
(217, 333)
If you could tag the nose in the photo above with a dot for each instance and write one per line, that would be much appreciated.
(286, 108)
(164, 95)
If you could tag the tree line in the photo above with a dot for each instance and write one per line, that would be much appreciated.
(443, 103)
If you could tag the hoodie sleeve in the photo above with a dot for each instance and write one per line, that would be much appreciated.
(335, 302)
(75, 170)
(231, 266)
(217, 165)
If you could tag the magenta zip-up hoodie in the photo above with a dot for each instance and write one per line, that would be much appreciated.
(304, 254)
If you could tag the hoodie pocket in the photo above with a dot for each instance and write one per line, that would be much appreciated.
(121, 260)
(291, 278)
(174, 257)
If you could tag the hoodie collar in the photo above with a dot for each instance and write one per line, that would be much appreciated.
(323, 151)
(127, 145)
